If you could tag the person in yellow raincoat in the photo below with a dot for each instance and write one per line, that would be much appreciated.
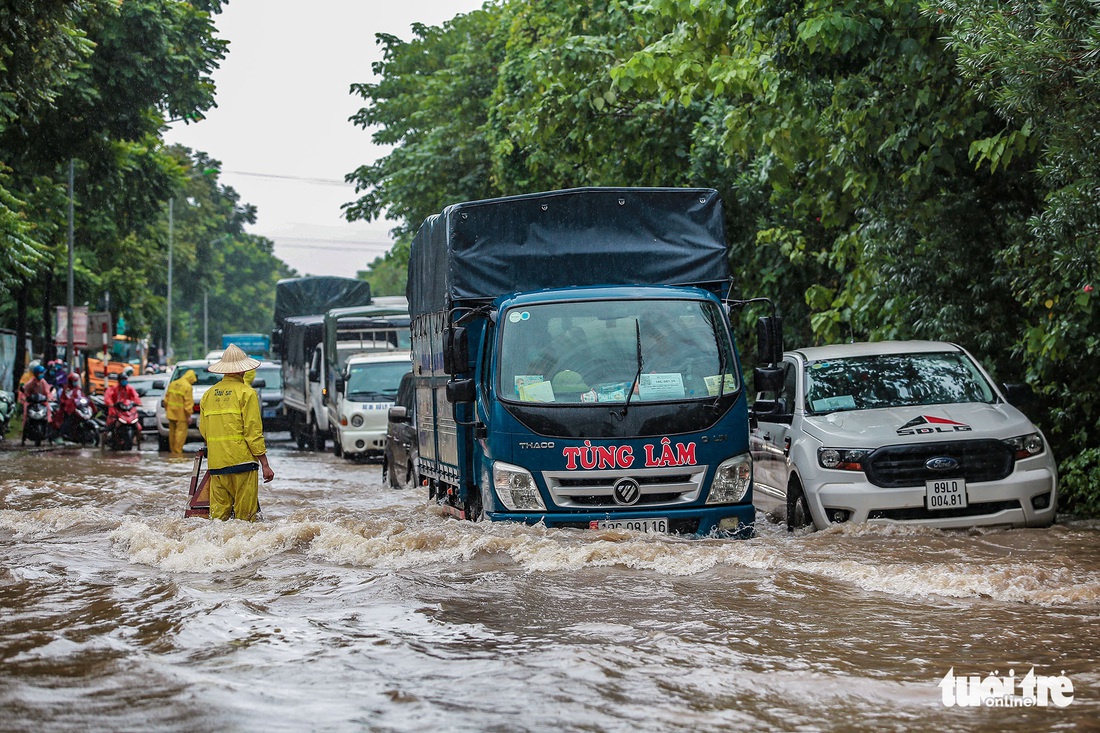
(179, 405)
(229, 420)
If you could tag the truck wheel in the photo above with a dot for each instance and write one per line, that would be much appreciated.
(162, 443)
(798, 509)
(316, 440)
(337, 447)
(298, 430)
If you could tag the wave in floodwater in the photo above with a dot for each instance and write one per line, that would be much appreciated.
(897, 560)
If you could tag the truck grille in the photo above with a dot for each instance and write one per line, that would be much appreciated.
(895, 466)
(595, 489)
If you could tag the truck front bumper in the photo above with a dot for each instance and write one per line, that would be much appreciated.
(732, 521)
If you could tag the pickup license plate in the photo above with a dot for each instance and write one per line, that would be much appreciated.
(647, 524)
(947, 493)
(269, 413)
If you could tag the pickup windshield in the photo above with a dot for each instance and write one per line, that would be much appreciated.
(375, 382)
(598, 351)
(894, 380)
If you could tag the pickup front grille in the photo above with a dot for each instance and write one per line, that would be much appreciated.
(896, 466)
(595, 489)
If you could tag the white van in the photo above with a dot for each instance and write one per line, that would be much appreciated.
(903, 431)
(364, 393)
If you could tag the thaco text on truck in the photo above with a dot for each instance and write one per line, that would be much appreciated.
(574, 364)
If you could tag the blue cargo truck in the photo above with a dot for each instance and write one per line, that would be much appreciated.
(574, 364)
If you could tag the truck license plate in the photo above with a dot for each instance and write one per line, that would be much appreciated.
(646, 524)
(949, 493)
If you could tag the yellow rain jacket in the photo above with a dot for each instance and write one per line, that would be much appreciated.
(179, 398)
(229, 420)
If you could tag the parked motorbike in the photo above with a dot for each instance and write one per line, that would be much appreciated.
(7, 409)
(125, 432)
(80, 426)
(36, 427)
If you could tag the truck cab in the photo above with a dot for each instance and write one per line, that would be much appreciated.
(623, 401)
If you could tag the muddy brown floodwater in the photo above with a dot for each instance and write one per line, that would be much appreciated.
(353, 607)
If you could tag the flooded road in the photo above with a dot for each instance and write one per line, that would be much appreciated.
(355, 607)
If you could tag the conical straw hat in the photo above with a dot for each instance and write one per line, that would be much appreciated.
(233, 361)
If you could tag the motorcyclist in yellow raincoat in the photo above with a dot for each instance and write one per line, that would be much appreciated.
(179, 405)
(229, 420)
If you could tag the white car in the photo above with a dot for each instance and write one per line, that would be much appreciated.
(271, 395)
(903, 431)
(364, 396)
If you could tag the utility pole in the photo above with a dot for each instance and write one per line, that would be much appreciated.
(70, 354)
(205, 323)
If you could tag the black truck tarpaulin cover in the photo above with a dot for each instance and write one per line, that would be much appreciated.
(309, 296)
(583, 236)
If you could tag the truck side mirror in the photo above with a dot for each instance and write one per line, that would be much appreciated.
(769, 339)
(460, 391)
(314, 375)
(456, 352)
(159, 384)
(338, 385)
(768, 379)
(397, 413)
(259, 383)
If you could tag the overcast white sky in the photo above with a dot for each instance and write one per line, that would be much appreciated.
(281, 126)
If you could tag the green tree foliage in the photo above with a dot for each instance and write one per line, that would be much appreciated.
(1038, 65)
(95, 82)
(890, 169)
(431, 105)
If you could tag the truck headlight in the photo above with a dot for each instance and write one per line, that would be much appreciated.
(1026, 446)
(516, 487)
(842, 459)
(731, 480)
(357, 421)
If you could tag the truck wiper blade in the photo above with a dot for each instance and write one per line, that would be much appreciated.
(637, 375)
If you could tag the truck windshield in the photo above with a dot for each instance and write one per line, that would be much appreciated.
(593, 351)
(894, 380)
(375, 382)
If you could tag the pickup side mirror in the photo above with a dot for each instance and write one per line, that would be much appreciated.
(456, 351)
(1018, 394)
(398, 413)
(159, 384)
(259, 383)
(460, 391)
(769, 340)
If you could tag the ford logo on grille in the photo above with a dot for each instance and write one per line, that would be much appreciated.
(942, 463)
(626, 492)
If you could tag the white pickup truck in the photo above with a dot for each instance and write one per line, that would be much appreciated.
(902, 431)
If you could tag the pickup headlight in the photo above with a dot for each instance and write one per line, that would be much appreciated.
(731, 480)
(516, 488)
(1026, 446)
(842, 459)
